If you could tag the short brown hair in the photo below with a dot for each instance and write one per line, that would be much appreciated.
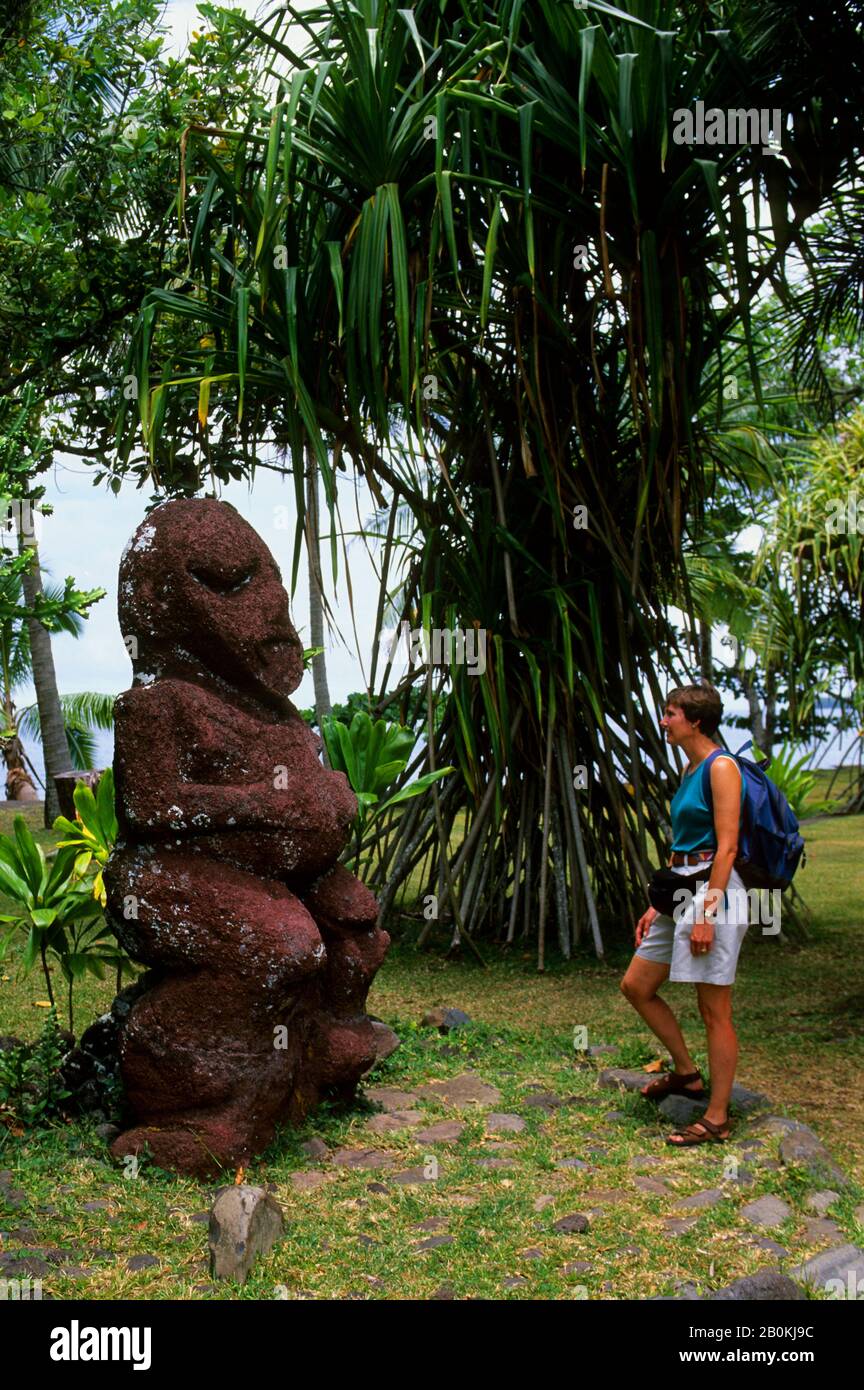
(699, 702)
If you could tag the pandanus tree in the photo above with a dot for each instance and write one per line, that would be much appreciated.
(463, 250)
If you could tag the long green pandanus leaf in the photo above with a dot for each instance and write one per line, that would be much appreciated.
(489, 262)
(587, 37)
(242, 310)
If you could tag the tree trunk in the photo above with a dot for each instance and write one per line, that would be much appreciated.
(316, 589)
(757, 723)
(705, 663)
(19, 783)
(770, 709)
(55, 748)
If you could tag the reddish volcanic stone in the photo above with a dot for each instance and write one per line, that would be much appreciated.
(225, 879)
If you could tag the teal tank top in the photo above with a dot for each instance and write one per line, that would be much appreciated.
(692, 821)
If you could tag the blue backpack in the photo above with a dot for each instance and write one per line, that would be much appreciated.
(769, 845)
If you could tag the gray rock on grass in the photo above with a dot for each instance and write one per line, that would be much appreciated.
(803, 1147)
(842, 1262)
(446, 1020)
(245, 1223)
(766, 1211)
(766, 1285)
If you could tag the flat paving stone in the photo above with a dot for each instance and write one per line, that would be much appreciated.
(315, 1148)
(766, 1243)
(534, 1253)
(432, 1223)
(767, 1285)
(699, 1200)
(578, 1267)
(11, 1195)
(624, 1076)
(679, 1226)
(433, 1243)
(466, 1089)
(645, 1161)
(777, 1124)
(682, 1110)
(303, 1181)
(409, 1176)
(746, 1100)
(843, 1262)
(803, 1147)
(574, 1224)
(766, 1211)
(501, 1123)
(513, 1281)
(362, 1158)
(394, 1120)
(685, 1289)
(544, 1200)
(445, 1132)
(28, 1266)
(821, 1228)
(653, 1185)
(821, 1201)
(543, 1100)
(138, 1262)
(572, 1163)
(742, 1176)
(391, 1097)
(55, 1256)
(605, 1196)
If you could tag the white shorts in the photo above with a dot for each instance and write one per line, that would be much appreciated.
(668, 941)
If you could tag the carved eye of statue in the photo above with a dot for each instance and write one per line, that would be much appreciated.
(222, 582)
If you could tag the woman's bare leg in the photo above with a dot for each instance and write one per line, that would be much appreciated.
(639, 986)
(715, 1005)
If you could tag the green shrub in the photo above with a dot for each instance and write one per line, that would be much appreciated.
(31, 1087)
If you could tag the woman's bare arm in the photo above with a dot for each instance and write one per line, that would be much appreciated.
(726, 791)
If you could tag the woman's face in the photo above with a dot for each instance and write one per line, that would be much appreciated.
(676, 724)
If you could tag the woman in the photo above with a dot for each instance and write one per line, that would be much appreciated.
(702, 946)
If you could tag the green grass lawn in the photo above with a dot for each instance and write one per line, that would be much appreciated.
(798, 1015)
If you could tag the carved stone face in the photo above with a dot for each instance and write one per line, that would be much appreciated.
(197, 581)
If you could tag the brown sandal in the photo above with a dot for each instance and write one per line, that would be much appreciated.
(711, 1134)
(673, 1083)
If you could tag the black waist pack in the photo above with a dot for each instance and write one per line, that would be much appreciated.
(665, 883)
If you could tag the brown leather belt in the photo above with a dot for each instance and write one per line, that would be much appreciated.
(696, 856)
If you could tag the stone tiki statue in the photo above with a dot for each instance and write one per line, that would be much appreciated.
(225, 879)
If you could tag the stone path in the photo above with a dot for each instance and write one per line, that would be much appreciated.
(765, 1222)
(748, 1154)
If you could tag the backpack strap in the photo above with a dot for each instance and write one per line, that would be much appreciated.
(706, 772)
